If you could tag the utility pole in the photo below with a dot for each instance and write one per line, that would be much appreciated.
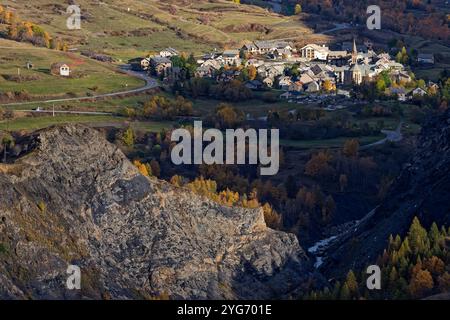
(53, 111)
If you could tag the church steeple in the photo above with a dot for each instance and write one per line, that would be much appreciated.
(354, 52)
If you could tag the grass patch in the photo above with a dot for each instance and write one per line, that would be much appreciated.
(328, 143)
(35, 123)
(40, 122)
(88, 76)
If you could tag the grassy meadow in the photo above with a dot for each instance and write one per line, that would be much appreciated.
(88, 77)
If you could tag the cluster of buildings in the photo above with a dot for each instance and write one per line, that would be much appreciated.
(160, 64)
(278, 64)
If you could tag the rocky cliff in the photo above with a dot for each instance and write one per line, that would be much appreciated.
(74, 198)
(422, 190)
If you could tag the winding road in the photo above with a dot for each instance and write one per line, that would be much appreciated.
(391, 136)
(150, 83)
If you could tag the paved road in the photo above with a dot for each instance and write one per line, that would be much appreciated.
(391, 135)
(69, 112)
(150, 83)
(338, 27)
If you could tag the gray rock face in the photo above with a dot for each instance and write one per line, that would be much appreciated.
(76, 199)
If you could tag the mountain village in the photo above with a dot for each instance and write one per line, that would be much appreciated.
(311, 71)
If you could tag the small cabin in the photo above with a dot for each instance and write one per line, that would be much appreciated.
(60, 69)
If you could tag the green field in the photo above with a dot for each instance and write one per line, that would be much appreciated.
(390, 123)
(108, 104)
(89, 77)
(254, 107)
(327, 143)
(39, 122)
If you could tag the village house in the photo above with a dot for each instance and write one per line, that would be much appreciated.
(305, 78)
(400, 93)
(265, 46)
(285, 82)
(160, 65)
(433, 86)
(314, 52)
(168, 53)
(338, 58)
(282, 53)
(228, 75)
(270, 70)
(207, 57)
(418, 92)
(340, 73)
(145, 64)
(250, 48)
(313, 87)
(296, 86)
(60, 69)
(254, 62)
(268, 82)
(231, 57)
(268, 47)
(205, 71)
(401, 77)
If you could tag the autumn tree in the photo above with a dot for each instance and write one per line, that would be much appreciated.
(328, 86)
(319, 164)
(252, 72)
(272, 218)
(144, 169)
(227, 116)
(127, 137)
(380, 85)
(402, 56)
(177, 181)
(418, 237)
(421, 283)
(351, 148)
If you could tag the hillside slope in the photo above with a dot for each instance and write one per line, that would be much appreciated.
(73, 198)
(130, 28)
(421, 190)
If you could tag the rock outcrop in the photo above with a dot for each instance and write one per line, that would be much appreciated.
(74, 198)
(422, 190)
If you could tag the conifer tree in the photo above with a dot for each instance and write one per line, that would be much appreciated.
(418, 237)
(345, 293)
(352, 284)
